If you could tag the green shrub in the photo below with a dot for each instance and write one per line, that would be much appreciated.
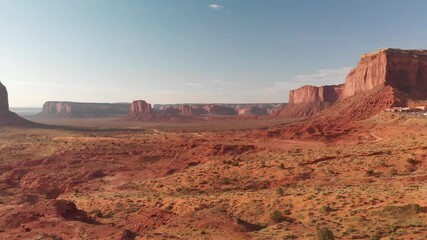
(370, 173)
(411, 161)
(280, 192)
(326, 209)
(324, 234)
(402, 210)
(277, 216)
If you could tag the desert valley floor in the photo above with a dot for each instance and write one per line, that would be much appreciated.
(158, 181)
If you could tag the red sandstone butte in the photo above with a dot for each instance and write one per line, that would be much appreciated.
(403, 70)
(140, 107)
(400, 73)
(310, 94)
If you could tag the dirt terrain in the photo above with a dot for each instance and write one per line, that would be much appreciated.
(160, 182)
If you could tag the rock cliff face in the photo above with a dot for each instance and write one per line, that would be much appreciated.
(310, 94)
(74, 109)
(252, 111)
(140, 107)
(404, 71)
(186, 109)
(4, 100)
(219, 110)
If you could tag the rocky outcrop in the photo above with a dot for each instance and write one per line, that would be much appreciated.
(186, 109)
(76, 109)
(140, 107)
(4, 100)
(405, 71)
(219, 110)
(311, 94)
(252, 111)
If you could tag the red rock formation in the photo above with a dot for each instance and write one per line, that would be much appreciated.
(77, 109)
(404, 71)
(140, 107)
(252, 111)
(186, 109)
(4, 100)
(219, 110)
(172, 111)
(57, 108)
(310, 94)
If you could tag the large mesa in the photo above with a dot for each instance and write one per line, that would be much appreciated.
(403, 71)
(79, 109)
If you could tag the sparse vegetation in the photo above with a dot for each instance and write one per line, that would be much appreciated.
(148, 176)
(324, 234)
(277, 216)
(370, 173)
(402, 210)
(326, 209)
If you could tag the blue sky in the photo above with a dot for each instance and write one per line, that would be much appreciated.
(175, 51)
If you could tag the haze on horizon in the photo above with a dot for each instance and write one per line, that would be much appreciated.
(237, 51)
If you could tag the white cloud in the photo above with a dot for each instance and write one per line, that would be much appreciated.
(193, 84)
(224, 82)
(324, 76)
(215, 7)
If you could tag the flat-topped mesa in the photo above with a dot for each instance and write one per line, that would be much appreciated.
(140, 107)
(4, 100)
(402, 74)
(81, 109)
(404, 70)
(252, 111)
(219, 110)
(312, 94)
(56, 108)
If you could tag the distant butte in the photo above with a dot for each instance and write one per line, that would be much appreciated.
(404, 71)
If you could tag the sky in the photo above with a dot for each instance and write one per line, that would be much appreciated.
(192, 51)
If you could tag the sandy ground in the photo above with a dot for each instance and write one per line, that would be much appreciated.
(215, 183)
